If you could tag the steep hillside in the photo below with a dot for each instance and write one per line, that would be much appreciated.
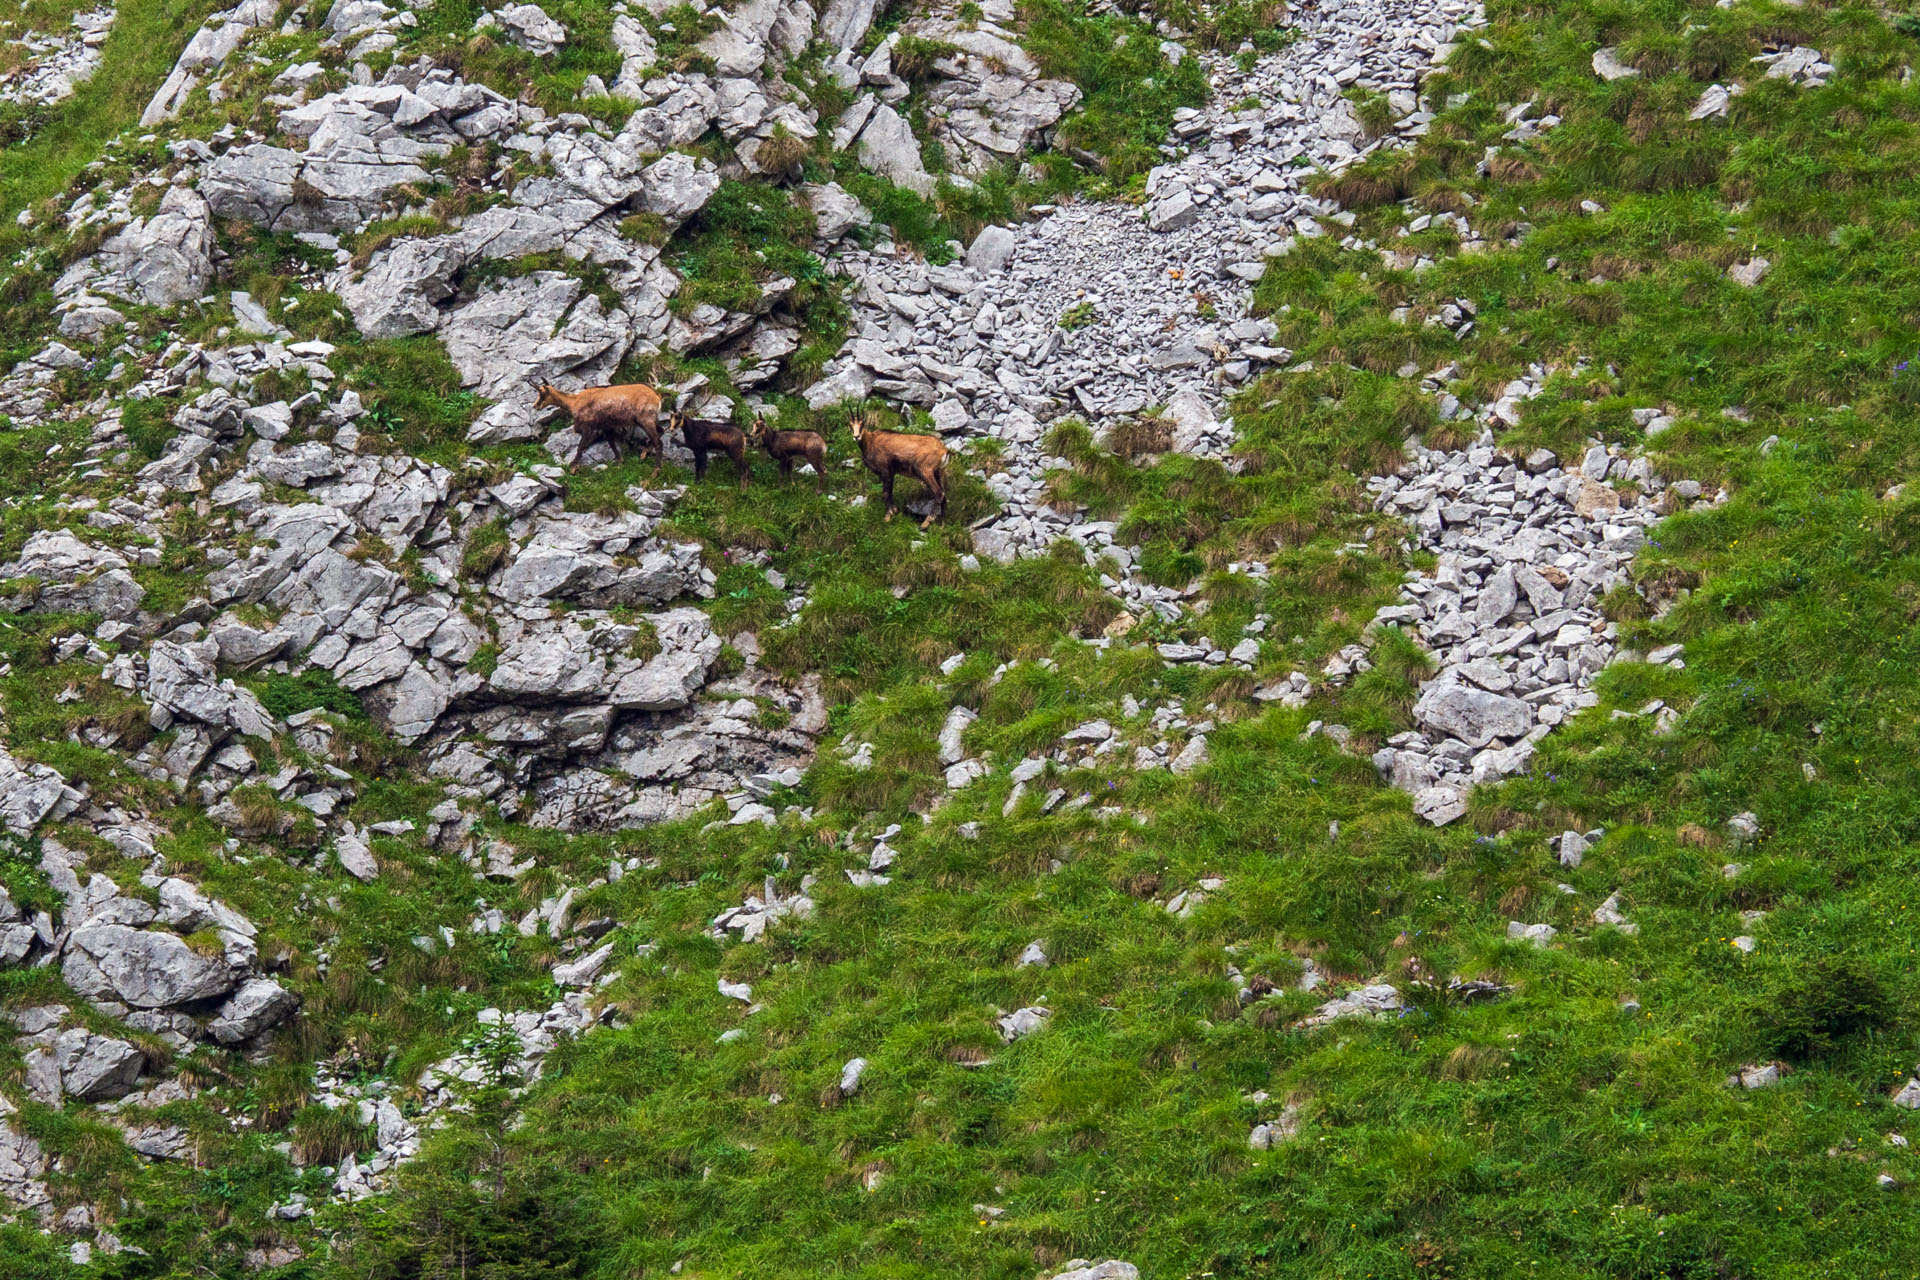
(1395, 754)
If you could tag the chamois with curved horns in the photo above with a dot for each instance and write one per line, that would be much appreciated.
(789, 447)
(612, 414)
(895, 453)
(705, 436)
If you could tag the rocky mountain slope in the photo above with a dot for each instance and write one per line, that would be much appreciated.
(1391, 761)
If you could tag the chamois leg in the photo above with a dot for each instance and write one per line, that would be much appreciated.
(739, 453)
(819, 464)
(699, 464)
(887, 484)
(786, 472)
(939, 499)
(650, 425)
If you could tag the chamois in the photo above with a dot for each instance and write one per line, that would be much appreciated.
(704, 437)
(611, 414)
(895, 453)
(789, 447)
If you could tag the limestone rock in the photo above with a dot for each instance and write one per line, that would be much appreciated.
(259, 1004)
(888, 148)
(144, 968)
(166, 259)
(1474, 716)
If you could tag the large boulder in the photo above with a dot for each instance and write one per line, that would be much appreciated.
(145, 968)
(530, 27)
(182, 682)
(593, 559)
(165, 259)
(666, 683)
(845, 23)
(835, 212)
(888, 148)
(535, 326)
(76, 576)
(399, 292)
(260, 1004)
(1474, 716)
(94, 1067)
(676, 120)
(677, 186)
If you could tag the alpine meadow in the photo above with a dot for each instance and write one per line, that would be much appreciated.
(910, 639)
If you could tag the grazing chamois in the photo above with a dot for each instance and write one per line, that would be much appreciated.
(895, 453)
(612, 414)
(789, 447)
(704, 437)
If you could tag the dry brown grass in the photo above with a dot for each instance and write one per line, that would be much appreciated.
(1140, 437)
(1512, 170)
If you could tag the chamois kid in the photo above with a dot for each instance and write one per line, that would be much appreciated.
(789, 447)
(895, 453)
(706, 436)
(612, 414)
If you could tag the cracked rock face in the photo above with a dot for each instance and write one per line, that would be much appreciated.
(148, 970)
(162, 260)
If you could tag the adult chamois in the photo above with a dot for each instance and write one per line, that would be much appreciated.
(611, 414)
(789, 447)
(706, 436)
(895, 453)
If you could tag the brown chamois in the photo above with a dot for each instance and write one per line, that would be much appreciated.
(706, 436)
(612, 414)
(789, 447)
(895, 453)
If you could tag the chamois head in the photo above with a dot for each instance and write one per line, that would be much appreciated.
(548, 394)
(677, 420)
(859, 424)
(758, 431)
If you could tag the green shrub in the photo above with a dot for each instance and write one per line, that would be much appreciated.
(1823, 1007)
(148, 424)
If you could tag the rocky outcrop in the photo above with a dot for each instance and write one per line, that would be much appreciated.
(210, 47)
(162, 260)
(79, 1063)
(74, 576)
(990, 103)
(360, 144)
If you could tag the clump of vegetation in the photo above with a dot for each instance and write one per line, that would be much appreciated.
(646, 228)
(486, 550)
(914, 56)
(312, 690)
(1130, 88)
(412, 393)
(1078, 316)
(1824, 1008)
(1372, 109)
